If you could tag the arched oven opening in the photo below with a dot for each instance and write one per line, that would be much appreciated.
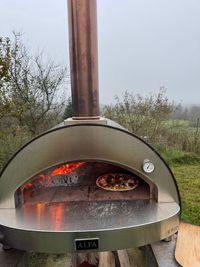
(85, 181)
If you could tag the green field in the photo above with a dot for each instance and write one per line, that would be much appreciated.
(188, 180)
(186, 169)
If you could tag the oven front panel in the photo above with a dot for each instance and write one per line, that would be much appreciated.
(85, 143)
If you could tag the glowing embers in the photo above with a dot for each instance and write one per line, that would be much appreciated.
(67, 168)
(60, 176)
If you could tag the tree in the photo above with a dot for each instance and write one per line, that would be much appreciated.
(5, 57)
(68, 109)
(31, 89)
(5, 60)
(144, 116)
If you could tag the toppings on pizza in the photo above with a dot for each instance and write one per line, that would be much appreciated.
(117, 182)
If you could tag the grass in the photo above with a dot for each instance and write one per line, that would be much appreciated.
(188, 180)
(176, 157)
(186, 169)
(177, 123)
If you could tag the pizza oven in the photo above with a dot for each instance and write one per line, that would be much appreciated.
(88, 184)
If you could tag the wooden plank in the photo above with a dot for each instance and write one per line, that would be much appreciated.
(123, 258)
(106, 259)
(188, 245)
(137, 257)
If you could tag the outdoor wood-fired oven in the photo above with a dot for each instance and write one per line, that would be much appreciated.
(87, 184)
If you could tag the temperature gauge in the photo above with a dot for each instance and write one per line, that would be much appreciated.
(148, 166)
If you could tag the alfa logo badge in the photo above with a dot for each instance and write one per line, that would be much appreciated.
(86, 244)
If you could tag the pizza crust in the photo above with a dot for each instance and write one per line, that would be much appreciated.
(117, 182)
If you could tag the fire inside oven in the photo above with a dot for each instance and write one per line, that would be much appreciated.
(84, 181)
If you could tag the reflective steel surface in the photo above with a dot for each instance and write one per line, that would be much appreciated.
(86, 216)
(104, 219)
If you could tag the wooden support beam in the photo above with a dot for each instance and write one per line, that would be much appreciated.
(124, 258)
(106, 259)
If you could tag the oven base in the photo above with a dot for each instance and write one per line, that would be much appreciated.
(54, 227)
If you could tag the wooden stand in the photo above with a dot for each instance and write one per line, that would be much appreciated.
(121, 258)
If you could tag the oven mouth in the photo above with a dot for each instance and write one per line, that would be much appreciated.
(80, 181)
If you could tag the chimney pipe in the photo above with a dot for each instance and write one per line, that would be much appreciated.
(82, 23)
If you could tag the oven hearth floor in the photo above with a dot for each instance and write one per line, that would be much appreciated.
(83, 193)
(87, 215)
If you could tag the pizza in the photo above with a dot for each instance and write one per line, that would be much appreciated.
(117, 182)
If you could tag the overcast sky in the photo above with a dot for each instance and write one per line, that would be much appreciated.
(143, 44)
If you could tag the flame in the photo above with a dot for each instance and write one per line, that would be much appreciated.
(29, 185)
(67, 168)
(41, 179)
(64, 169)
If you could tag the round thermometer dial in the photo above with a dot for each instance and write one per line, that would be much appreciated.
(148, 166)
